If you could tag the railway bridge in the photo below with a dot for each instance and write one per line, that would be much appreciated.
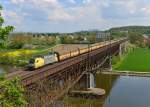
(50, 82)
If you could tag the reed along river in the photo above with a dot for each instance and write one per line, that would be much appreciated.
(121, 91)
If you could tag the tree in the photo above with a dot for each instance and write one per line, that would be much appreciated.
(11, 93)
(91, 38)
(79, 38)
(148, 42)
(4, 31)
(67, 39)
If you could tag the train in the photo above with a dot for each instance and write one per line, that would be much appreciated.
(54, 57)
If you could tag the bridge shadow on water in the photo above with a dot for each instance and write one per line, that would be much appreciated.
(121, 91)
(89, 80)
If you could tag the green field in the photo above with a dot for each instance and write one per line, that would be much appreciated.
(137, 60)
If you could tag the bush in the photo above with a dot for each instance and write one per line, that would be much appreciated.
(115, 59)
(11, 93)
(17, 57)
(16, 45)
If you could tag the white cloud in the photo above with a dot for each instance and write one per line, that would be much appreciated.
(59, 15)
(105, 3)
(86, 1)
(57, 12)
(17, 1)
(12, 17)
(87, 14)
(42, 4)
(72, 1)
(135, 7)
(81, 13)
(131, 6)
(145, 10)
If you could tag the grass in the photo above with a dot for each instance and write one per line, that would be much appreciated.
(137, 60)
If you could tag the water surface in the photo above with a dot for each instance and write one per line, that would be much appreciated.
(121, 91)
(5, 69)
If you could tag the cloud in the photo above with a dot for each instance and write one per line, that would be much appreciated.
(131, 6)
(86, 1)
(72, 1)
(85, 14)
(105, 3)
(146, 10)
(75, 14)
(17, 1)
(59, 15)
(42, 4)
(54, 10)
(12, 18)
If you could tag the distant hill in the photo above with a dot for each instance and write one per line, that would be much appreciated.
(118, 31)
(134, 29)
(138, 30)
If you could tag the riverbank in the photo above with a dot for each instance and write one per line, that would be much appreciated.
(135, 61)
(126, 73)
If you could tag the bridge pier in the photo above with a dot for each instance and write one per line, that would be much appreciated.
(123, 48)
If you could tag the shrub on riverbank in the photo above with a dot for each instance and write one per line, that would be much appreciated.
(115, 59)
(11, 93)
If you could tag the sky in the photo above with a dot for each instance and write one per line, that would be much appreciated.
(74, 15)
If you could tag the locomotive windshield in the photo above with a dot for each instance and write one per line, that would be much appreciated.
(51, 53)
(31, 61)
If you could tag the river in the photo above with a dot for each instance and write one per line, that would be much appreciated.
(121, 91)
(5, 68)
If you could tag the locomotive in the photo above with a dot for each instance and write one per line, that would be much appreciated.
(40, 61)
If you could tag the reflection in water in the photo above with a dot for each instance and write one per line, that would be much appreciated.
(87, 81)
(130, 92)
(5, 68)
(121, 91)
(2, 69)
(92, 80)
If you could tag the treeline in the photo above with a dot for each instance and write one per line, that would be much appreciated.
(30, 41)
(80, 33)
(136, 29)
(40, 40)
(139, 35)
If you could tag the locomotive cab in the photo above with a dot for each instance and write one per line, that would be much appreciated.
(40, 61)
